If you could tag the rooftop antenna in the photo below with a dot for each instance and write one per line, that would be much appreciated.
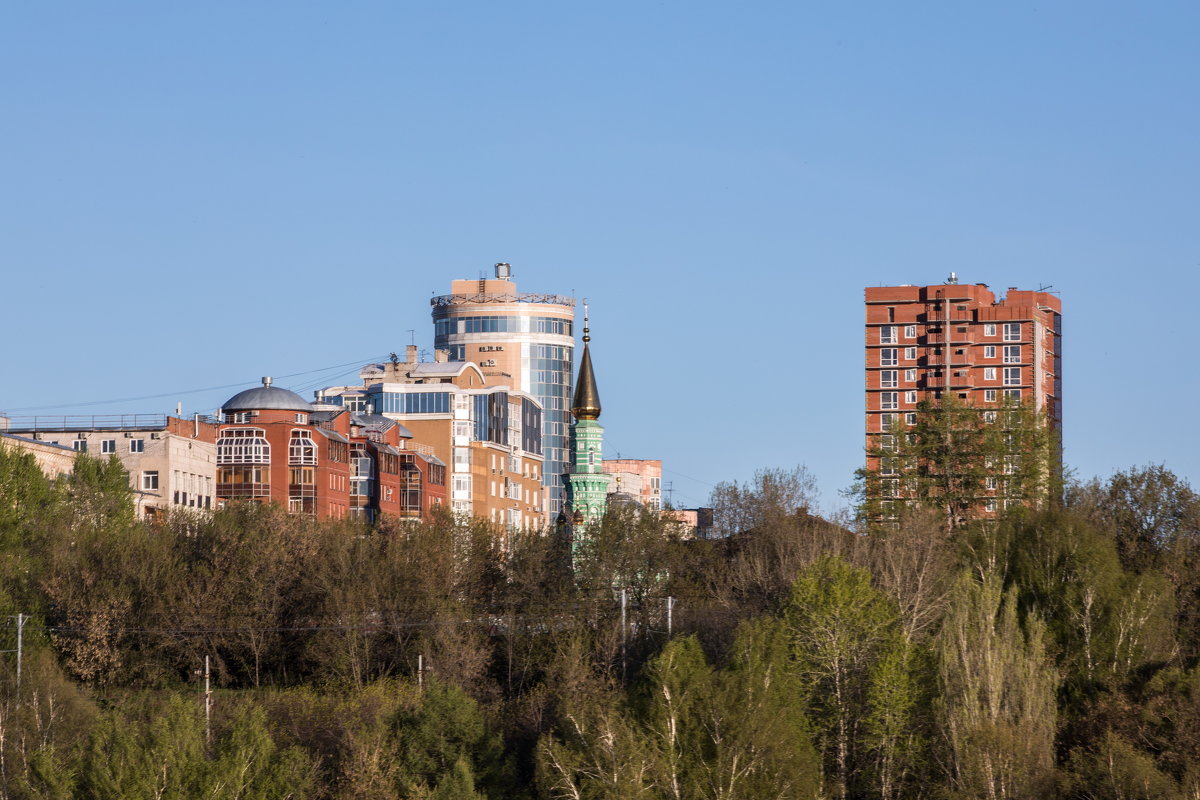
(1045, 287)
(412, 336)
(395, 359)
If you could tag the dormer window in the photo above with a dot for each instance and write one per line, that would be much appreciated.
(302, 419)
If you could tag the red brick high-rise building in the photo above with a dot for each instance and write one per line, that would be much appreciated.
(925, 342)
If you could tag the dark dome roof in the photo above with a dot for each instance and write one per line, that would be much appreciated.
(266, 398)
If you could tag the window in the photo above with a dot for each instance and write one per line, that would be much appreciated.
(889, 401)
(886, 421)
(1012, 394)
(243, 446)
(887, 379)
(302, 419)
(887, 442)
(989, 351)
(108, 445)
(910, 331)
(910, 397)
(910, 353)
(910, 375)
(989, 395)
(137, 445)
(991, 483)
(1012, 354)
(989, 329)
(1012, 331)
(1012, 376)
(911, 418)
(80, 445)
(301, 448)
(887, 334)
(887, 466)
(989, 505)
(150, 480)
(989, 417)
(887, 357)
(989, 373)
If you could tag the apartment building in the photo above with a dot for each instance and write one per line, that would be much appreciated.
(488, 436)
(520, 340)
(927, 342)
(639, 477)
(171, 460)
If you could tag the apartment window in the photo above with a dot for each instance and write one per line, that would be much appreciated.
(137, 445)
(1012, 331)
(108, 445)
(989, 351)
(989, 329)
(887, 334)
(989, 505)
(889, 401)
(887, 357)
(302, 419)
(989, 395)
(989, 417)
(1012, 394)
(910, 397)
(1012, 354)
(243, 446)
(989, 373)
(301, 448)
(911, 418)
(887, 442)
(910, 375)
(150, 480)
(80, 445)
(886, 421)
(887, 379)
(887, 466)
(910, 353)
(991, 483)
(1012, 376)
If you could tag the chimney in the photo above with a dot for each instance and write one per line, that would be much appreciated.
(441, 356)
(411, 354)
(266, 380)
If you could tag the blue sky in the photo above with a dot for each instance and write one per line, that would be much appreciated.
(195, 196)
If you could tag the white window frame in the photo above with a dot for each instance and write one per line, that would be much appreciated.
(1012, 354)
(302, 450)
(989, 329)
(149, 480)
(108, 446)
(989, 373)
(887, 334)
(1012, 394)
(989, 351)
(910, 397)
(885, 422)
(910, 353)
(243, 446)
(1012, 331)
(910, 331)
(79, 445)
(889, 401)
(910, 418)
(137, 445)
(910, 375)
(1012, 376)
(989, 395)
(889, 379)
(888, 357)
(989, 417)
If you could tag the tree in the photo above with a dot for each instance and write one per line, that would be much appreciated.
(840, 628)
(961, 459)
(997, 695)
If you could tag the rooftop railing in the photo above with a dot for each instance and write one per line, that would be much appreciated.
(493, 297)
(98, 422)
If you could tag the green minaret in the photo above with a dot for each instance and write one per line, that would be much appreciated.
(587, 485)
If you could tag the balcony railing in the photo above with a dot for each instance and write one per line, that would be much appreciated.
(102, 422)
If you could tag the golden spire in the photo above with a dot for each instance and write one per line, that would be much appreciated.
(586, 404)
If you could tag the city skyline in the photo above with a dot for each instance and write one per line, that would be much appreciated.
(181, 190)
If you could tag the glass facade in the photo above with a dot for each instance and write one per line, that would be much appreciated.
(410, 402)
(501, 324)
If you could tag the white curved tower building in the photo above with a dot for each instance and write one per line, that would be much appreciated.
(522, 340)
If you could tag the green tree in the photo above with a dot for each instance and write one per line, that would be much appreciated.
(841, 627)
(997, 696)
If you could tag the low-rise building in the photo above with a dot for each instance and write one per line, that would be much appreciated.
(171, 461)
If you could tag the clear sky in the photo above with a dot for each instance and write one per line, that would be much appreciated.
(195, 195)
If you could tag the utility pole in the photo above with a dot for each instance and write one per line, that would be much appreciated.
(421, 672)
(20, 628)
(624, 660)
(670, 606)
(207, 703)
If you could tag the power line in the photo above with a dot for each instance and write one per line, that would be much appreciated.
(357, 361)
